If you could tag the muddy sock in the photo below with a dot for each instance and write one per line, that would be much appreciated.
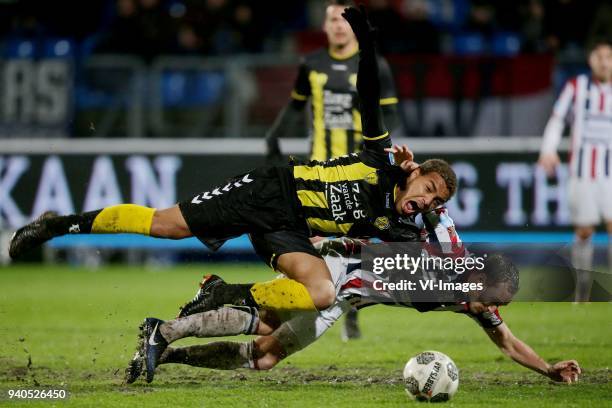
(222, 355)
(226, 321)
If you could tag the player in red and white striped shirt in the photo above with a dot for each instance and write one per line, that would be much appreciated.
(586, 101)
(282, 334)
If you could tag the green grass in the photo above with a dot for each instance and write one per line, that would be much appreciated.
(76, 329)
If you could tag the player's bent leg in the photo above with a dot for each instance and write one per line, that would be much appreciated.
(313, 274)
(310, 289)
(582, 259)
(261, 354)
(225, 321)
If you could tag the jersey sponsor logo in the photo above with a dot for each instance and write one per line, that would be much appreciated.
(337, 110)
(344, 201)
(339, 67)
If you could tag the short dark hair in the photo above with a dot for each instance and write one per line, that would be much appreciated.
(500, 269)
(597, 42)
(444, 170)
(344, 3)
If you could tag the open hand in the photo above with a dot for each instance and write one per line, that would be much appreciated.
(358, 19)
(565, 371)
(403, 157)
(549, 162)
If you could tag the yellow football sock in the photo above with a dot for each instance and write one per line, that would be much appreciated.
(124, 218)
(282, 294)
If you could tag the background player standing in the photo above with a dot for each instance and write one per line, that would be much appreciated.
(587, 101)
(328, 78)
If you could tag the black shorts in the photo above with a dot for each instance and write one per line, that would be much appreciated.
(258, 202)
(269, 246)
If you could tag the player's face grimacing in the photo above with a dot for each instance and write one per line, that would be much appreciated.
(422, 193)
(339, 32)
(491, 298)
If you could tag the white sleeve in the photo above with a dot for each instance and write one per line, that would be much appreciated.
(554, 127)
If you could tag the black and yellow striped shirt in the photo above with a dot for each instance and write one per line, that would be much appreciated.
(330, 83)
(353, 195)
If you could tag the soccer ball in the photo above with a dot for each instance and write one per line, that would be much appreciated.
(431, 376)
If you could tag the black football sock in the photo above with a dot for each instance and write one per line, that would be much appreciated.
(72, 224)
(234, 294)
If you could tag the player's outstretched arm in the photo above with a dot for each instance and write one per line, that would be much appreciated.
(517, 350)
(375, 134)
(368, 83)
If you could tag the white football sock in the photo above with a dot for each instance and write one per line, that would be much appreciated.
(226, 321)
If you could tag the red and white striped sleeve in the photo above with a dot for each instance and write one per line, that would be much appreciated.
(442, 237)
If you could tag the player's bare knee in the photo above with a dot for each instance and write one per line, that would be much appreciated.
(323, 296)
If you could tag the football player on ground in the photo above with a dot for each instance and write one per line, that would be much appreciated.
(360, 195)
(283, 334)
(327, 79)
(587, 101)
